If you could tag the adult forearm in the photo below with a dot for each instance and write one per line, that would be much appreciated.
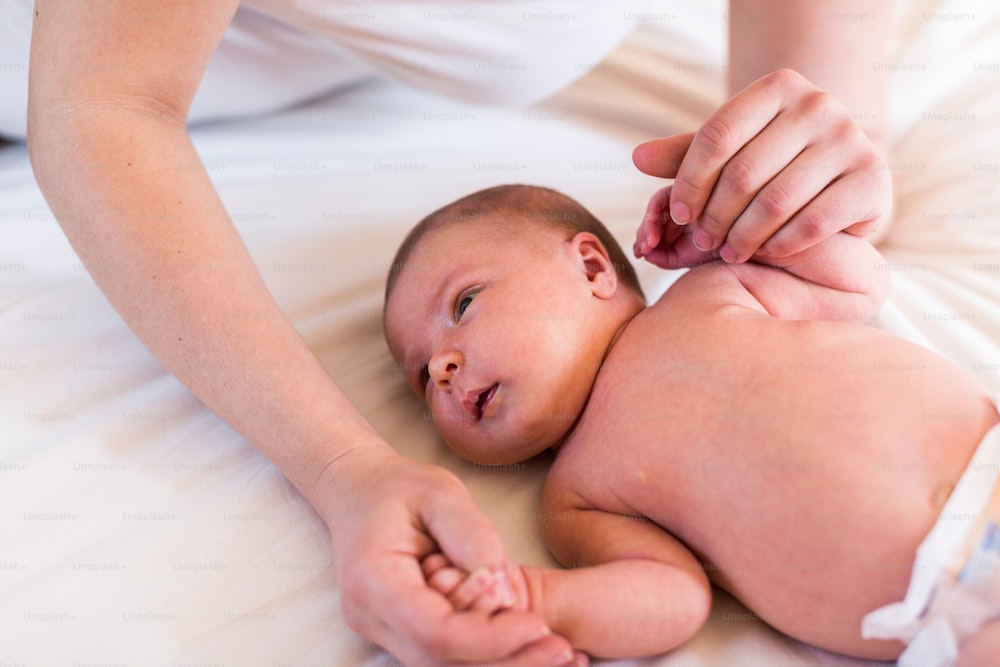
(129, 191)
(839, 45)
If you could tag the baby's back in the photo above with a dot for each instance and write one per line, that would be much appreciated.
(803, 462)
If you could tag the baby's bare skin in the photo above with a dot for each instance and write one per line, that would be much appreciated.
(802, 461)
(747, 428)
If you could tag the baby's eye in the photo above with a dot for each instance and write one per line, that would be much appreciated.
(464, 302)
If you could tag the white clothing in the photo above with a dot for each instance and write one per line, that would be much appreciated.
(278, 53)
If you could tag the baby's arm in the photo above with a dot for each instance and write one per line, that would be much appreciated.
(631, 589)
(841, 278)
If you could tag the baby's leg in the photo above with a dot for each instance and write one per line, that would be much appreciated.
(983, 648)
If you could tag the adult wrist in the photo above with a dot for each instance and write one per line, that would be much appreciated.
(336, 478)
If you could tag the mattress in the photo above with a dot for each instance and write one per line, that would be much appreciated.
(137, 528)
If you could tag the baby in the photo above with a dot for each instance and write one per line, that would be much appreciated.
(747, 430)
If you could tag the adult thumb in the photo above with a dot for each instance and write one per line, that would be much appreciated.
(662, 157)
(463, 533)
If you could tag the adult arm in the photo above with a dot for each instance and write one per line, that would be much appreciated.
(110, 87)
(841, 46)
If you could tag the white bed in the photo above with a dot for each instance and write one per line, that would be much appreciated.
(138, 529)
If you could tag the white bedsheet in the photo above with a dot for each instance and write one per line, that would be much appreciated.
(138, 529)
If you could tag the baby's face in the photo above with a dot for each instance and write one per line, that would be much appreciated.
(491, 330)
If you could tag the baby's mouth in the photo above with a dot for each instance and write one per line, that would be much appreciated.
(484, 399)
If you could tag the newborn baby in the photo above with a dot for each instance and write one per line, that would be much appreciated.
(747, 429)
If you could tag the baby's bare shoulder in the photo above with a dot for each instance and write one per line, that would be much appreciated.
(586, 475)
(708, 287)
(567, 480)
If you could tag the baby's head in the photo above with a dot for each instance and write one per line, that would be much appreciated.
(500, 308)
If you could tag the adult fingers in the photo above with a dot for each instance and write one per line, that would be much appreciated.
(715, 143)
(850, 201)
(662, 157)
(464, 535)
(746, 175)
(777, 202)
(392, 605)
(552, 651)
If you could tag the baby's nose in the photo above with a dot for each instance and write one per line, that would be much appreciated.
(444, 366)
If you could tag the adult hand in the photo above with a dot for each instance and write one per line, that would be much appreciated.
(386, 513)
(776, 169)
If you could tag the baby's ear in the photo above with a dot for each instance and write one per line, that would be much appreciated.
(596, 264)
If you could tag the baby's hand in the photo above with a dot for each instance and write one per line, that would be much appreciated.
(481, 590)
(663, 242)
(778, 168)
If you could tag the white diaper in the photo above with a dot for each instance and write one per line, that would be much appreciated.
(955, 586)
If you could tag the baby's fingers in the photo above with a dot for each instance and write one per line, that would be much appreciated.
(471, 589)
(446, 580)
(433, 563)
(650, 231)
(482, 591)
(440, 574)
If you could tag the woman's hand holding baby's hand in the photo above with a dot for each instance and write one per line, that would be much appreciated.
(481, 590)
(386, 514)
(778, 168)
